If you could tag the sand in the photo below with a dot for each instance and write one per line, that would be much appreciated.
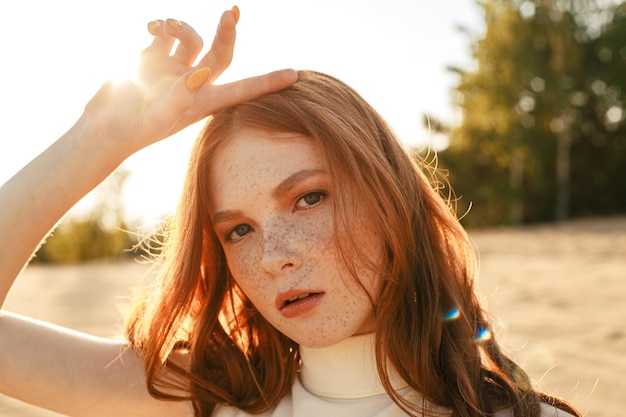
(557, 294)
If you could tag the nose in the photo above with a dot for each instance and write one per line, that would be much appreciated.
(279, 253)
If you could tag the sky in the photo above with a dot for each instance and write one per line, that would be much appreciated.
(56, 54)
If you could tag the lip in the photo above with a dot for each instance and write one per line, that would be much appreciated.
(299, 307)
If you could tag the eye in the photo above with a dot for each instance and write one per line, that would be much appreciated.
(311, 199)
(238, 232)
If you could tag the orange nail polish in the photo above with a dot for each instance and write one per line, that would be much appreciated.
(175, 24)
(197, 79)
(153, 27)
(303, 75)
(235, 11)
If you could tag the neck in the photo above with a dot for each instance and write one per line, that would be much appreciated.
(345, 370)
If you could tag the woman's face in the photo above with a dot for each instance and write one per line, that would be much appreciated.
(272, 208)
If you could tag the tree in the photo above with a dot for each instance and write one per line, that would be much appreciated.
(599, 156)
(99, 234)
(517, 155)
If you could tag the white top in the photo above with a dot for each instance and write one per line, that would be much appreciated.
(342, 381)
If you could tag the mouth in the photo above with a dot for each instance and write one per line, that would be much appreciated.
(299, 297)
(295, 302)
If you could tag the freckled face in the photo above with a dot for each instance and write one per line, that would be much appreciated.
(271, 202)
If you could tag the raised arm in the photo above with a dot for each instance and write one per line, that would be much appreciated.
(63, 370)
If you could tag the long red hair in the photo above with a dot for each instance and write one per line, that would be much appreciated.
(430, 324)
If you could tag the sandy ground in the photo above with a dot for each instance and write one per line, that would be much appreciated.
(556, 292)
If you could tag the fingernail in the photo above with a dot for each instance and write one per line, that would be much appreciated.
(175, 24)
(197, 79)
(303, 75)
(153, 27)
(235, 11)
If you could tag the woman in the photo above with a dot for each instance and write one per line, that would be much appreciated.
(311, 269)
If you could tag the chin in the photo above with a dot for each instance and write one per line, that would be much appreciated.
(326, 338)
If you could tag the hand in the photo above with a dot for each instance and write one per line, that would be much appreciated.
(171, 92)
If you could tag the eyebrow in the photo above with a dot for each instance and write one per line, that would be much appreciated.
(281, 189)
(291, 181)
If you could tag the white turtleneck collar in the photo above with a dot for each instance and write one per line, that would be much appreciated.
(346, 370)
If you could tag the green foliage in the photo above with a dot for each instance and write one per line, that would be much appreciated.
(84, 240)
(99, 234)
(542, 135)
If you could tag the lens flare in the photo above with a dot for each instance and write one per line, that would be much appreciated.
(453, 314)
(483, 335)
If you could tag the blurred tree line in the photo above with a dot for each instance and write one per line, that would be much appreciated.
(100, 233)
(542, 136)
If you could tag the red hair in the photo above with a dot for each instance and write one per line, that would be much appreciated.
(430, 324)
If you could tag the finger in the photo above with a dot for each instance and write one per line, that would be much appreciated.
(162, 42)
(183, 105)
(226, 95)
(220, 55)
(190, 43)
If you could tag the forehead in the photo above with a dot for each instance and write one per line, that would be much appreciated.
(255, 161)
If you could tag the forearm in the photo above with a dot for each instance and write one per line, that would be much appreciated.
(76, 374)
(34, 200)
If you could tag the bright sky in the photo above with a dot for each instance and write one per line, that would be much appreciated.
(56, 54)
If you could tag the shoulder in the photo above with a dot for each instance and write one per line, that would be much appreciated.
(547, 410)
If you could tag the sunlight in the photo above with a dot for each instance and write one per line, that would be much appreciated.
(120, 70)
(103, 43)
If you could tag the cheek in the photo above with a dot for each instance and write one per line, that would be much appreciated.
(243, 261)
(310, 238)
